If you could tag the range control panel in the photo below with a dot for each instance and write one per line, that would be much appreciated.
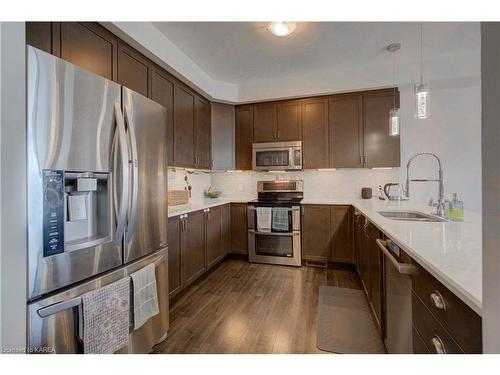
(53, 212)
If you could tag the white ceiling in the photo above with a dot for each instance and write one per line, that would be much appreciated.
(245, 52)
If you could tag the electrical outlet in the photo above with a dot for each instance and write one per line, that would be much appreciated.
(379, 186)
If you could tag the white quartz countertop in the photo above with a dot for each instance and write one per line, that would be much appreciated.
(450, 251)
(201, 204)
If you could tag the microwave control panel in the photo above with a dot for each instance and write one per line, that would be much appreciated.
(53, 212)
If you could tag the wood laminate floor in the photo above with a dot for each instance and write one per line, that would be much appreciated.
(251, 308)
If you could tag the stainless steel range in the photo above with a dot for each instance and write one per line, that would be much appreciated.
(274, 234)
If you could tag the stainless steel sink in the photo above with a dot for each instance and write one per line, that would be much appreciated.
(411, 216)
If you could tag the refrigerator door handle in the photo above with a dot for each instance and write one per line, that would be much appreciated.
(122, 141)
(135, 171)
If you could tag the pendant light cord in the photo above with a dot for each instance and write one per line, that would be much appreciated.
(394, 78)
(421, 55)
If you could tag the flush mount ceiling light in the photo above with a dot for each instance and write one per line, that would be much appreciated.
(281, 28)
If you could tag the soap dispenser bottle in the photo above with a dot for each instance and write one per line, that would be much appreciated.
(455, 208)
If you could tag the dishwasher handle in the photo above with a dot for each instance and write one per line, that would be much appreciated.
(404, 268)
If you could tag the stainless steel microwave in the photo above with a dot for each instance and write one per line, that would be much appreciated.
(277, 156)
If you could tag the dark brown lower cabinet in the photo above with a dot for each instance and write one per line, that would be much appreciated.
(342, 249)
(358, 233)
(196, 242)
(213, 218)
(174, 255)
(239, 234)
(316, 233)
(364, 258)
(193, 246)
(226, 229)
(375, 274)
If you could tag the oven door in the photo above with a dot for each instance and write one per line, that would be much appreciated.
(275, 247)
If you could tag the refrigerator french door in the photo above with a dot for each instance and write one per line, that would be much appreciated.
(97, 183)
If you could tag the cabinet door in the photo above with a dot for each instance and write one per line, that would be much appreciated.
(315, 133)
(202, 133)
(239, 235)
(316, 232)
(226, 229)
(133, 70)
(289, 121)
(162, 92)
(183, 127)
(358, 233)
(341, 226)
(193, 247)
(222, 134)
(91, 47)
(265, 122)
(375, 256)
(214, 235)
(174, 255)
(39, 35)
(346, 131)
(364, 260)
(380, 149)
(244, 137)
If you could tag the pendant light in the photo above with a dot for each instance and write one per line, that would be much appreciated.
(394, 116)
(422, 89)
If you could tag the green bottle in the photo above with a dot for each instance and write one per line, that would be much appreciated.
(455, 208)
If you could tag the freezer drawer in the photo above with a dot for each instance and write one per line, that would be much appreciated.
(56, 329)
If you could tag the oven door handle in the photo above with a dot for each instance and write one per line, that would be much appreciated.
(288, 234)
(253, 208)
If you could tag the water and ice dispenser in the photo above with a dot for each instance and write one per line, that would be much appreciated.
(76, 210)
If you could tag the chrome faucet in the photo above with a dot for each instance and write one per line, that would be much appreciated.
(440, 205)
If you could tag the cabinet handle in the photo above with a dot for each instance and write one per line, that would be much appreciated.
(360, 159)
(366, 159)
(278, 134)
(438, 300)
(438, 345)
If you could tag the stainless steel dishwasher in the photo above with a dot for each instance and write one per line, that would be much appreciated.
(398, 320)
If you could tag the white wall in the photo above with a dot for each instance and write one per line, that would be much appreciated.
(13, 187)
(453, 132)
(490, 52)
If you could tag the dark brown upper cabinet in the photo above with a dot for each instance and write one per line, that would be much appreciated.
(289, 125)
(89, 46)
(39, 35)
(380, 149)
(183, 127)
(315, 133)
(162, 91)
(133, 70)
(202, 133)
(265, 122)
(345, 118)
(243, 137)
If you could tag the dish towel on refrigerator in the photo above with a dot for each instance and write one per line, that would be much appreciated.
(145, 297)
(264, 219)
(106, 318)
(280, 219)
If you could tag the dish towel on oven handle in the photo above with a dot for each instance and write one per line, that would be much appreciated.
(105, 313)
(145, 295)
(280, 219)
(263, 219)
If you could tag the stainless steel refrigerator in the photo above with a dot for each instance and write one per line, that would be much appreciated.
(97, 207)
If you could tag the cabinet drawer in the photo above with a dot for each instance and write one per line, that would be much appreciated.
(432, 332)
(458, 318)
(419, 346)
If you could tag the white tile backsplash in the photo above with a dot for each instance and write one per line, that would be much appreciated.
(200, 181)
(342, 183)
